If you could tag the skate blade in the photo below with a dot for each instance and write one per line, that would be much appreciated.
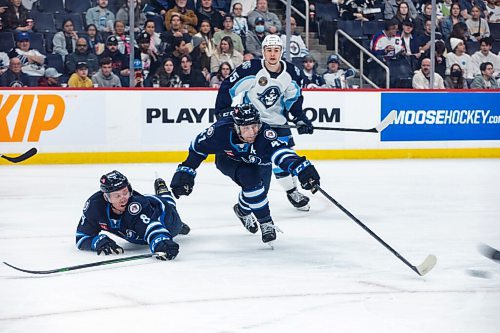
(304, 208)
(270, 244)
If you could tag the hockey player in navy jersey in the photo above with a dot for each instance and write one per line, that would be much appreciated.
(245, 149)
(141, 219)
(273, 86)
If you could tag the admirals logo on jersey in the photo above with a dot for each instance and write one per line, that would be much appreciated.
(131, 234)
(252, 160)
(270, 134)
(134, 208)
(269, 96)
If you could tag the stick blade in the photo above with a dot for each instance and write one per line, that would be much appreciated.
(21, 157)
(387, 121)
(427, 265)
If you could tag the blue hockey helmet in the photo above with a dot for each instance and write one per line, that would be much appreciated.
(246, 114)
(114, 181)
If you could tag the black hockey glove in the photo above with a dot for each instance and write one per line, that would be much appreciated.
(104, 244)
(304, 125)
(169, 247)
(183, 181)
(307, 174)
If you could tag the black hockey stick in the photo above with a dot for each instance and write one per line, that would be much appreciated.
(421, 269)
(21, 157)
(377, 129)
(489, 252)
(92, 264)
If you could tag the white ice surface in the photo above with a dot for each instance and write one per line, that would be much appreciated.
(326, 274)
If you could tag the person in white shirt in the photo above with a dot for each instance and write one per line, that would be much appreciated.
(485, 55)
(421, 78)
(458, 56)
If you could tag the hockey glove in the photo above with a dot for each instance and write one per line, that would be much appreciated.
(104, 244)
(307, 174)
(183, 181)
(304, 125)
(169, 247)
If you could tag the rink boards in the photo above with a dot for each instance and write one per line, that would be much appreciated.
(153, 125)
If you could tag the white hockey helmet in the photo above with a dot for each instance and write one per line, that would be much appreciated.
(272, 40)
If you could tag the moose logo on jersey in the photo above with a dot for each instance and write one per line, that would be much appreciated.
(269, 96)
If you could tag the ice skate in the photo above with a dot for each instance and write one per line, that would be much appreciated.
(248, 221)
(297, 199)
(268, 231)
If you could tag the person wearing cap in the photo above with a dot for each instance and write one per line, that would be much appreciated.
(310, 79)
(410, 42)
(207, 11)
(105, 76)
(50, 79)
(255, 37)
(421, 78)
(80, 79)
(458, 56)
(101, 16)
(14, 77)
(228, 31)
(145, 55)
(120, 61)
(335, 77)
(272, 22)
(81, 54)
(31, 59)
(188, 16)
(298, 48)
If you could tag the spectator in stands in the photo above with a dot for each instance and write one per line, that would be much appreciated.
(176, 31)
(155, 43)
(82, 54)
(32, 60)
(247, 6)
(144, 54)
(362, 10)
(105, 76)
(224, 70)
(478, 27)
(240, 26)
(456, 78)
(458, 56)
(485, 55)
(228, 31)
(485, 80)
(467, 5)
(422, 18)
(493, 11)
(166, 77)
(28, 4)
(4, 62)
(190, 76)
(139, 15)
(298, 48)
(421, 78)
(448, 23)
(199, 56)
(101, 16)
(180, 50)
(425, 39)
(311, 79)
(459, 31)
(64, 41)
(187, 16)
(439, 57)
(387, 43)
(255, 37)
(119, 61)
(403, 14)
(207, 11)
(17, 17)
(225, 52)
(335, 77)
(391, 8)
(122, 37)
(94, 40)
(14, 77)
(410, 42)
(80, 79)
(50, 78)
(205, 34)
(271, 20)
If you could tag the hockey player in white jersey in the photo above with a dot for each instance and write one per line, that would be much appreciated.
(273, 86)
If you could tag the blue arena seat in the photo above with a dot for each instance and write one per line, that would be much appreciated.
(6, 41)
(370, 28)
(50, 6)
(37, 41)
(77, 19)
(44, 22)
(77, 6)
(56, 61)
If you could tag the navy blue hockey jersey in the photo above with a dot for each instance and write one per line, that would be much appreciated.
(146, 220)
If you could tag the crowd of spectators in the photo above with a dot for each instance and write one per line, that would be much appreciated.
(197, 43)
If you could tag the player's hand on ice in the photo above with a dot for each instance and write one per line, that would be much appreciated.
(307, 174)
(183, 181)
(304, 125)
(104, 244)
(169, 247)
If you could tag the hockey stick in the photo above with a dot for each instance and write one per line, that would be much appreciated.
(21, 157)
(377, 129)
(92, 264)
(421, 269)
(489, 252)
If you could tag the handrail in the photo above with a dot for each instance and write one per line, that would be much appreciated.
(361, 60)
(305, 17)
